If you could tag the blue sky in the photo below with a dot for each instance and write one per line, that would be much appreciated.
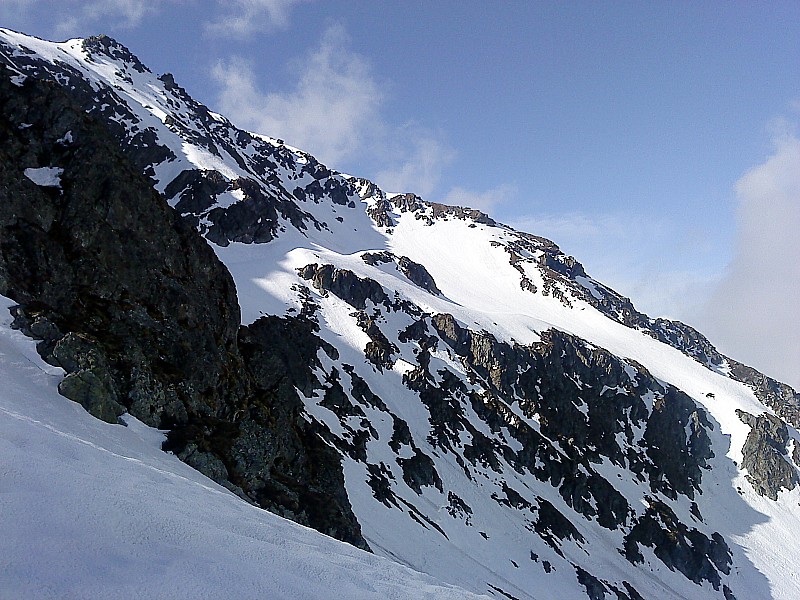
(655, 141)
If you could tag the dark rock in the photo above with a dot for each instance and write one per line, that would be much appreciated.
(107, 46)
(764, 455)
(344, 284)
(678, 460)
(196, 190)
(379, 350)
(553, 527)
(419, 471)
(256, 218)
(415, 272)
(135, 305)
(205, 462)
(377, 258)
(595, 589)
(92, 389)
(418, 275)
(778, 396)
(689, 551)
(73, 352)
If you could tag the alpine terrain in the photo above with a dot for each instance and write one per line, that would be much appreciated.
(458, 403)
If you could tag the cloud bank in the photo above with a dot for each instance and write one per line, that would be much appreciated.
(754, 313)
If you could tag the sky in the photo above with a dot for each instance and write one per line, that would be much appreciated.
(657, 142)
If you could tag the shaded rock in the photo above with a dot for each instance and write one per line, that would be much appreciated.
(678, 458)
(697, 556)
(419, 471)
(205, 462)
(764, 455)
(344, 284)
(418, 275)
(127, 297)
(93, 390)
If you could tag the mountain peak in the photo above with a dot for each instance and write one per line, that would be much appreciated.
(107, 46)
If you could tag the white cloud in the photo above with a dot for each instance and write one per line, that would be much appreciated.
(332, 112)
(417, 162)
(131, 12)
(76, 16)
(335, 111)
(80, 17)
(245, 17)
(754, 313)
(486, 201)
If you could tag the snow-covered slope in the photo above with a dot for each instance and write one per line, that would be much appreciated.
(93, 510)
(506, 423)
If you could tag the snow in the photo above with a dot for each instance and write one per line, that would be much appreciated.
(589, 284)
(45, 176)
(90, 510)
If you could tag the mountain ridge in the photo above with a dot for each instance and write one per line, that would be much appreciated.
(429, 389)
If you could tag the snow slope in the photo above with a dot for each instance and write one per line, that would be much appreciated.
(92, 510)
(491, 299)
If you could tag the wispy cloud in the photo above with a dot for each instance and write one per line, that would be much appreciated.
(754, 313)
(415, 163)
(246, 17)
(9, 8)
(487, 201)
(332, 112)
(74, 16)
(129, 12)
(80, 17)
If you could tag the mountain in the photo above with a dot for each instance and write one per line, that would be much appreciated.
(414, 379)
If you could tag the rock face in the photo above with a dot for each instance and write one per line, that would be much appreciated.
(590, 407)
(133, 304)
(104, 256)
(765, 454)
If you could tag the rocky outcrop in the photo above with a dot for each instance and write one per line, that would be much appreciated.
(765, 455)
(565, 278)
(698, 556)
(780, 397)
(134, 305)
(254, 218)
(105, 258)
(592, 406)
(415, 272)
(344, 284)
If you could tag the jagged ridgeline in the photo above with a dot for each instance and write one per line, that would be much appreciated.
(412, 378)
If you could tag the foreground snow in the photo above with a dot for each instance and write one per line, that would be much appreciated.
(92, 510)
